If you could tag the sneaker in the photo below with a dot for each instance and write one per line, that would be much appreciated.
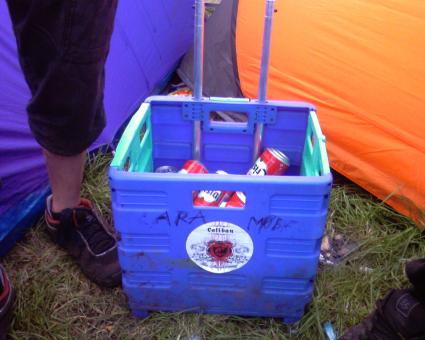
(84, 234)
(399, 315)
(7, 299)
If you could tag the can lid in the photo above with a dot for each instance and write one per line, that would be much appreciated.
(221, 172)
(280, 155)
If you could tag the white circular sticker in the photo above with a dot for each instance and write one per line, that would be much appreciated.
(219, 247)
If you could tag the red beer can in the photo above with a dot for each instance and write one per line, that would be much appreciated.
(193, 167)
(212, 198)
(271, 162)
(237, 200)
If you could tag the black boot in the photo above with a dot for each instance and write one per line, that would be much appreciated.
(400, 315)
(7, 298)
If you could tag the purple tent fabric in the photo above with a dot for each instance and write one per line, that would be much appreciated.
(149, 39)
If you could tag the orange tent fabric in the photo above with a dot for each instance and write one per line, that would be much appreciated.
(362, 63)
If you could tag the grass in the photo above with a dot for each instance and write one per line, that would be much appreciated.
(55, 301)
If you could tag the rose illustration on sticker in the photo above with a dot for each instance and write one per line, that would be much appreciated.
(220, 250)
(219, 247)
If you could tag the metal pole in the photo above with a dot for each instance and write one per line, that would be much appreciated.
(265, 59)
(198, 70)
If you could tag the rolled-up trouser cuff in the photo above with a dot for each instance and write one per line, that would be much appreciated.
(62, 49)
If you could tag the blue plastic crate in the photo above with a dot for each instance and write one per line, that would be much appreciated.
(260, 260)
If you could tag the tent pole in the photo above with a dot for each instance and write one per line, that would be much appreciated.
(198, 68)
(262, 87)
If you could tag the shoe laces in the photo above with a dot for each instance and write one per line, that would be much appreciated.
(98, 239)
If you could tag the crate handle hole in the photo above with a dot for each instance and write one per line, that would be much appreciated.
(229, 117)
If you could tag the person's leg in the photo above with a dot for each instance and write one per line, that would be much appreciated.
(415, 272)
(400, 314)
(65, 177)
(62, 48)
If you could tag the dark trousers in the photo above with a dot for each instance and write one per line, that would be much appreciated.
(62, 46)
